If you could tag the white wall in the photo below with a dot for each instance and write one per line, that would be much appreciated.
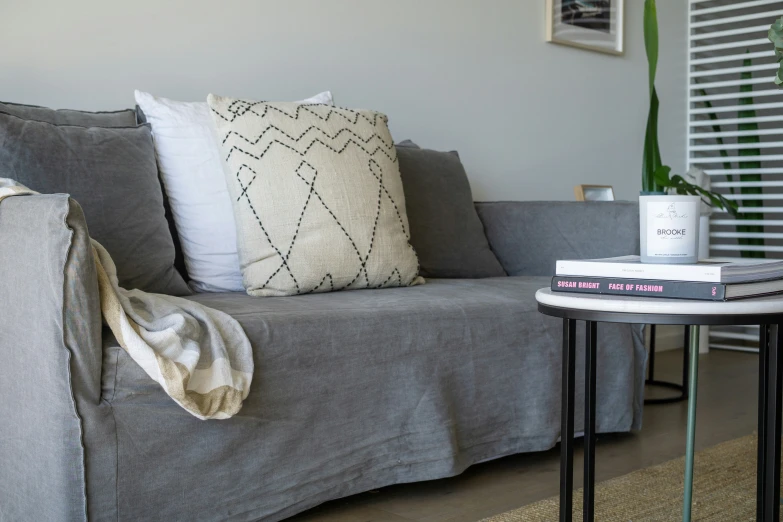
(530, 119)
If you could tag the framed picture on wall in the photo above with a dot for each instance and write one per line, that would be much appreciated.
(594, 193)
(596, 25)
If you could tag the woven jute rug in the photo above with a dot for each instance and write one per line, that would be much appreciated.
(724, 489)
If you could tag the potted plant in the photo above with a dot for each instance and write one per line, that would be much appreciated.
(669, 205)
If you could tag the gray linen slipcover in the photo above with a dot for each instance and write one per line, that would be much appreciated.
(114, 170)
(444, 227)
(353, 390)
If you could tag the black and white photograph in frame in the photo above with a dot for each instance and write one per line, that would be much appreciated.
(596, 25)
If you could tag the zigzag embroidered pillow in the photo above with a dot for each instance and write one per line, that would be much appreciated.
(317, 197)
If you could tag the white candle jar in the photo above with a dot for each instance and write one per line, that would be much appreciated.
(669, 229)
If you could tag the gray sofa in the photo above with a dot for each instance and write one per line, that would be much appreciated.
(353, 390)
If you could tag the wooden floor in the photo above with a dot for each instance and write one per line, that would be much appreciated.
(726, 410)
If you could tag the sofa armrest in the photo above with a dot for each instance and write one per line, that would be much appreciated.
(529, 236)
(50, 356)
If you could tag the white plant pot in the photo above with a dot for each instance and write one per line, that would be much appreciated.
(669, 229)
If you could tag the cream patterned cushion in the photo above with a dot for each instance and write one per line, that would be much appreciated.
(317, 197)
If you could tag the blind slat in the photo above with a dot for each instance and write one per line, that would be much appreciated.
(770, 15)
(733, 134)
(747, 235)
(738, 146)
(731, 121)
(731, 7)
(696, 86)
(752, 197)
(747, 248)
(730, 32)
(736, 108)
(750, 222)
(721, 159)
(735, 70)
(734, 96)
(751, 184)
(730, 45)
(723, 172)
(733, 57)
(760, 210)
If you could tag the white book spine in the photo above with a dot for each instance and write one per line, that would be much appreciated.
(696, 273)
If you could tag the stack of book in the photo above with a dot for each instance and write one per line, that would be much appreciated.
(706, 280)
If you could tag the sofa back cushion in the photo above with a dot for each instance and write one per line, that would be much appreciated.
(111, 172)
(122, 118)
(445, 230)
(317, 197)
(528, 237)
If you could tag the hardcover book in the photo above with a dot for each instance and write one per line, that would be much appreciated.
(670, 289)
(738, 270)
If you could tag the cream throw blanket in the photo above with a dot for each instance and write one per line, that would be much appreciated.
(200, 356)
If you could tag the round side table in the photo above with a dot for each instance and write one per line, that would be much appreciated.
(764, 311)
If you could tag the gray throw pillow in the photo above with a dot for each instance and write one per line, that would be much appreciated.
(445, 229)
(112, 174)
(123, 118)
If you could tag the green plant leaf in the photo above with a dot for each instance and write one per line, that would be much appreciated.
(775, 36)
(651, 40)
(651, 159)
(661, 176)
(682, 186)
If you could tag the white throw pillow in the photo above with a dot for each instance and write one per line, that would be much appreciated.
(192, 173)
(317, 197)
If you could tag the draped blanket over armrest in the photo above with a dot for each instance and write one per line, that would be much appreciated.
(200, 356)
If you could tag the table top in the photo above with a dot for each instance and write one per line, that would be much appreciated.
(772, 304)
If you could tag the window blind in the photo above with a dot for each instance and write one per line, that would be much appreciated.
(735, 131)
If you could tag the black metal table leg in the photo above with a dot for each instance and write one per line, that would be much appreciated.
(771, 424)
(651, 381)
(567, 421)
(590, 402)
(762, 417)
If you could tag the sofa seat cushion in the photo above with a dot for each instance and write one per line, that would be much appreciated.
(358, 390)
